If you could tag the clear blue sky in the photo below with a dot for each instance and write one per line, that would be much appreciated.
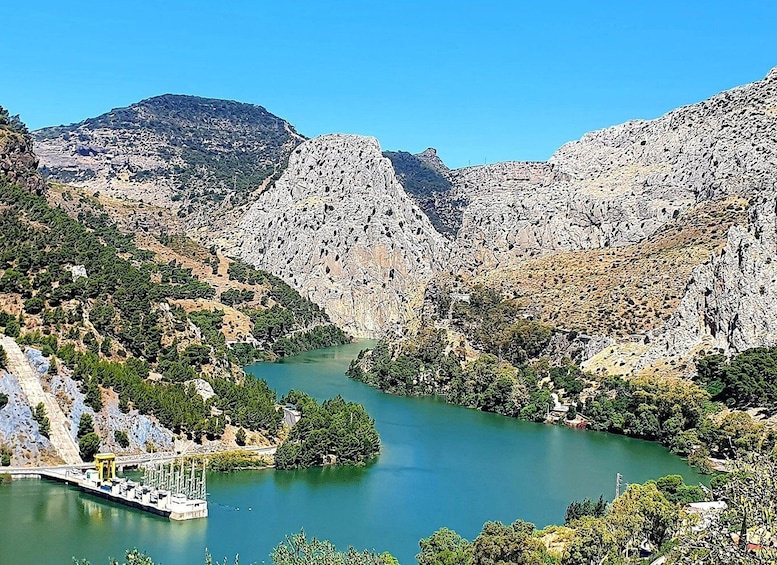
(485, 80)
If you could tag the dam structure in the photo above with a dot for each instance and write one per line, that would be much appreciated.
(176, 490)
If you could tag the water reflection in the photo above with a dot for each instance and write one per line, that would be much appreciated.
(440, 465)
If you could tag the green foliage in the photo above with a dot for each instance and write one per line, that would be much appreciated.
(85, 425)
(235, 460)
(233, 297)
(299, 550)
(40, 416)
(317, 338)
(177, 407)
(746, 380)
(12, 328)
(250, 404)
(444, 547)
(675, 490)
(121, 438)
(3, 358)
(89, 446)
(118, 294)
(132, 557)
(336, 428)
(420, 366)
(497, 326)
(515, 544)
(593, 542)
(240, 437)
(505, 379)
(12, 123)
(48, 344)
(290, 325)
(5, 456)
(587, 507)
(3, 400)
(648, 407)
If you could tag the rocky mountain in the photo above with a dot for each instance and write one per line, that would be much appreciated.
(199, 157)
(730, 301)
(583, 240)
(339, 225)
(619, 185)
(18, 163)
(144, 334)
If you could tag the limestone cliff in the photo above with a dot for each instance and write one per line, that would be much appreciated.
(617, 186)
(18, 163)
(339, 226)
(730, 301)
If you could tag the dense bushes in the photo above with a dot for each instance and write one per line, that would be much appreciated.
(746, 380)
(420, 366)
(337, 430)
(178, 407)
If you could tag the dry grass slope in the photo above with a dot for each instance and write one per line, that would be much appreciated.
(622, 291)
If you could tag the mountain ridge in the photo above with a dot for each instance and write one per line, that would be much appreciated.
(613, 188)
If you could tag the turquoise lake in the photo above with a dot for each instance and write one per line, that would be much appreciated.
(440, 465)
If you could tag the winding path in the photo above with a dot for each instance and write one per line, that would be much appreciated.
(59, 436)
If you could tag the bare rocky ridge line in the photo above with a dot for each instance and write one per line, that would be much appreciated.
(59, 435)
(619, 185)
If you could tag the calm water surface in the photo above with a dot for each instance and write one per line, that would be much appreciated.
(440, 465)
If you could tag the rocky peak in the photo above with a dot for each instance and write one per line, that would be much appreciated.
(429, 157)
(619, 185)
(18, 163)
(339, 226)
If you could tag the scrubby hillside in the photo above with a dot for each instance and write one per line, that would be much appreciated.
(198, 156)
(143, 335)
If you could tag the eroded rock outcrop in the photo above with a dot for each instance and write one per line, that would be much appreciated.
(338, 226)
(18, 163)
(730, 302)
(617, 186)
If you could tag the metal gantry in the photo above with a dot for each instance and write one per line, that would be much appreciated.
(177, 479)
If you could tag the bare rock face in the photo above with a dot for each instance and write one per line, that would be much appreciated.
(338, 226)
(18, 163)
(617, 186)
(731, 300)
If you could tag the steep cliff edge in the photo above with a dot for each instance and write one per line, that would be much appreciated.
(18, 164)
(339, 226)
(619, 185)
(730, 301)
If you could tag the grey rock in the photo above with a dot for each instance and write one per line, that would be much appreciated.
(730, 301)
(18, 430)
(339, 227)
(619, 185)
